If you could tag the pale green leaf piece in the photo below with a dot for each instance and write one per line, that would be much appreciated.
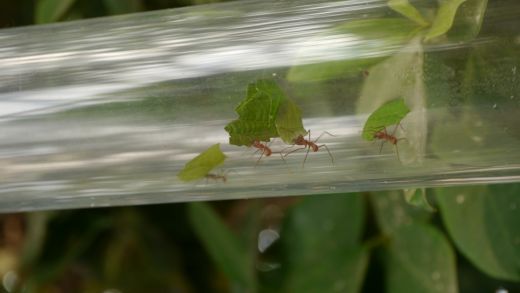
(408, 10)
(444, 18)
(52, 10)
(223, 246)
(202, 164)
(484, 223)
(390, 113)
(257, 114)
(420, 259)
(289, 122)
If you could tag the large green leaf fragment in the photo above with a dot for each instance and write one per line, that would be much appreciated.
(390, 113)
(289, 121)
(321, 241)
(420, 259)
(405, 8)
(223, 246)
(484, 222)
(243, 132)
(444, 18)
(52, 10)
(262, 102)
(257, 114)
(202, 164)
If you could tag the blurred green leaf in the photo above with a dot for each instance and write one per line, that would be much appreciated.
(374, 35)
(201, 165)
(123, 6)
(51, 10)
(405, 8)
(444, 18)
(420, 259)
(484, 224)
(417, 197)
(223, 246)
(469, 20)
(390, 113)
(392, 211)
(321, 240)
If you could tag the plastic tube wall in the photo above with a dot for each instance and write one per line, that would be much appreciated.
(107, 111)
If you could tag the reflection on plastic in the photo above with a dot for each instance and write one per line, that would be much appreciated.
(106, 112)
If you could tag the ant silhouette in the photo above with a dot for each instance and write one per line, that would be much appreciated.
(222, 175)
(308, 144)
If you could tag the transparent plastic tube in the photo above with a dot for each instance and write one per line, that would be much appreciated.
(107, 111)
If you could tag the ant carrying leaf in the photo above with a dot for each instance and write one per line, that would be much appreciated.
(290, 128)
(256, 124)
(390, 113)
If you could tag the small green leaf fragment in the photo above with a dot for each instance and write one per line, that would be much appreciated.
(444, 18)
(289, 122)
(202, 164)
(390, 113)
(405, 8)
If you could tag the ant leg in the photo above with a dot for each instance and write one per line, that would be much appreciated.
(381, 147)
(324, 132)
(306, 154)
(295, 150)
(397, 152)
(328, 151)
(258, 161)
(286, 148)
(400, 125)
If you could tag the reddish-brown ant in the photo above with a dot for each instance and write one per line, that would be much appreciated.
(308, 144)
(262, 147)
(384, 136)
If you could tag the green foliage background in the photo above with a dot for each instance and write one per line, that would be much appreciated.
(363, 242)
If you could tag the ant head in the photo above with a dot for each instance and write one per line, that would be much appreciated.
(300, 140)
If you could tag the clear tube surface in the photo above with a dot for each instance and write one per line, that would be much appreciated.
(107, 111)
